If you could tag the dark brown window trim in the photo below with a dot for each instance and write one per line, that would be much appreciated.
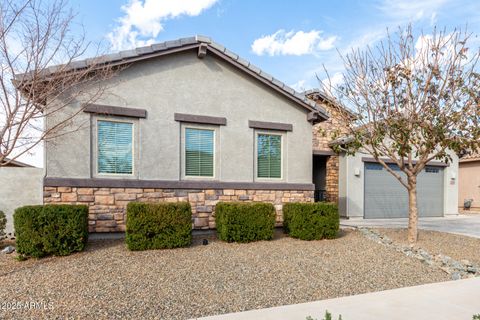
(116, 111)
(324, 153)
(270, 125)
(192, 118)
(431, 163)
(169, 184)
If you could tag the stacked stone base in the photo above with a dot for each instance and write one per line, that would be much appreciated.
(331, 179)
(107, 206)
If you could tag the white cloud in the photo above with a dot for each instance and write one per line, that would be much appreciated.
(293, 43)
(299, 86)
(433, 19)
(411, 10)
(333, 82)
(368, 38)
(143, 20)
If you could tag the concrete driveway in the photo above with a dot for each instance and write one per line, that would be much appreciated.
(467, 225)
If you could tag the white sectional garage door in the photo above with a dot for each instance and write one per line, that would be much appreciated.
(385, 197)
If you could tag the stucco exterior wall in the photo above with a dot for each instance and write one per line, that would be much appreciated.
(352, 187)
(19, 187)
(342, 185)
(469, 183)
(182, 83)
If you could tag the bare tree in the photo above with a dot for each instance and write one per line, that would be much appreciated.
(39, 77)
(416, 99)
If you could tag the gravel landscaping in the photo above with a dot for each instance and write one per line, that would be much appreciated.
(456, 246)
(108, 281)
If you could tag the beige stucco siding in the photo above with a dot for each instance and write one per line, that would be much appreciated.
(469, 183)
(19, 187)
(183, 83)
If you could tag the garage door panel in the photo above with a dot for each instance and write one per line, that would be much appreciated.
(386, 197)
(430, 189)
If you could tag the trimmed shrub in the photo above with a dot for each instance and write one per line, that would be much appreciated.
(158, 225)
(3, 224)
(244, 222)
(311, 221)
(51, 229)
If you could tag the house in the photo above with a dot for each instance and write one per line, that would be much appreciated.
(187, 120)
(469, 182)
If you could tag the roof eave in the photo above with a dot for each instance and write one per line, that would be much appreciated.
(316, 113)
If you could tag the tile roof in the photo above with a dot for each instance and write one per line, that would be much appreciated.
(470, 157)
(128, 56)
(321, 94)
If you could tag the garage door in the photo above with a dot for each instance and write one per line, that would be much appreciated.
(385, 197)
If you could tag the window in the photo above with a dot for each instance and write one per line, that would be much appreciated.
(373, 166)
(430, 169)
(115, 147)
(269, 156)
(199, 152)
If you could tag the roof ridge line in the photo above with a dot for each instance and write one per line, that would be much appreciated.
(124, 56)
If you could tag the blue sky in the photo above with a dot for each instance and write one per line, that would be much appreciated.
(289, 39)
(294, 38)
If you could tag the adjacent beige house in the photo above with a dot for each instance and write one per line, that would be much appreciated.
(469, 182)
(21, 185)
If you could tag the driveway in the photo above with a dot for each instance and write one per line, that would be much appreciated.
(467, 225)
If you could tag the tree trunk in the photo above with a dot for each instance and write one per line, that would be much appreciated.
(412, 210)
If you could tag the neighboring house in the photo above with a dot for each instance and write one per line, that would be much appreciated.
(469, 181)
(187, 120)
(21, 185)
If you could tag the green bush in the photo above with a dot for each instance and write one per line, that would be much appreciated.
(311, 221)
(328, 316)
(51, 229)
(3, 224)
(244, 222)
(158, 225)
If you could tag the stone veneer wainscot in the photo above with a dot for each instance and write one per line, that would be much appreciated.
(323, 134)
(107, 206)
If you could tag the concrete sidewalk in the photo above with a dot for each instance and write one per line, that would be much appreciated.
(445, 300)
(467, 225)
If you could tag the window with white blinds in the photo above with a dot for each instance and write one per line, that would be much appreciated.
(115, 147)
(269, 156)
(199, 152)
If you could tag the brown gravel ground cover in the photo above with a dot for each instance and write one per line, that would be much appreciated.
(108, 282)
(456, 246)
